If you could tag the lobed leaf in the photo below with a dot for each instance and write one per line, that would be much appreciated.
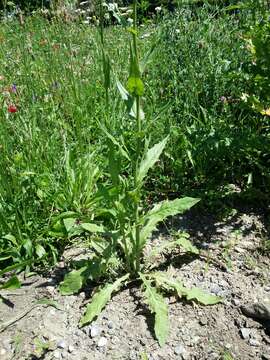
(161, 211)
(182, 241)
(100, 300)
(159, 307)
(194, 293)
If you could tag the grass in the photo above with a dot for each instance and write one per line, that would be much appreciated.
(52, 150)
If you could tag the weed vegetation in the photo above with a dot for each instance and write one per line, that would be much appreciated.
(100, 123)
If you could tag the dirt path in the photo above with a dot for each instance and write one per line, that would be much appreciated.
(124, 329)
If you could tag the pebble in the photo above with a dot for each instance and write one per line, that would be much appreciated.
(71, 348)
(254, 342)
(110, 325)
(203, 321)
(245, 333)
(179, 350)
(102, 342)
(95, 331)
(3, 352)
(61, 344)
(215, 289)
(57, 355)
(236, 302)
(50, 289)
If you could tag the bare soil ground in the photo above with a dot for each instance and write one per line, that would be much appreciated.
(124, 330)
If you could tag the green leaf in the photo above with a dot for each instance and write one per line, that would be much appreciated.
(93, 228)
(150, 159)
(161, 211)
(143, 356)
(135, 86)
(12, 284)
(40, 251)
(123, 92)
(162, 280)
(202, 297)
(16, 266)
(75, 280)
(182, 241)
(49, 302)
(159, 307)
(69, 223)
(100, 300)
(115, 142)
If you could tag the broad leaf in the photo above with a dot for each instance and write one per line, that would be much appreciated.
(94, 228)
(12, 284)
(150, 159)
(161, 211)
(75, 280)
(40, 251)
(159, 307)
(100, 300)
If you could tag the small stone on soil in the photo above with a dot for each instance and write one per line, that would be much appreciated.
(254, 342)
(57, 355)
(2, 352)
(102, 342)
(71, 348)
(95, 331)
(179, 350)
(203, 321)
(61, 344)
(110, 325)
(245, 333)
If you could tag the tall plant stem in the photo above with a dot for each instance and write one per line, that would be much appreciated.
(138, 148)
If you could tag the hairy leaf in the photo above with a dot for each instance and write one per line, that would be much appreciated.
(150, 159)
(159, 307)
(100, 300)
(161, 211)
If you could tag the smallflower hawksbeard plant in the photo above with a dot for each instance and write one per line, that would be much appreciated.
(126, 242)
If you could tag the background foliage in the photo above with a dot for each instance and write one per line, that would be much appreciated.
(52, 151)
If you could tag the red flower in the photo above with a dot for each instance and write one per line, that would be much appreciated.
(12, 108)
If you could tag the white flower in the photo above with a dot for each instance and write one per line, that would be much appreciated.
(130, 21)
(158, 9)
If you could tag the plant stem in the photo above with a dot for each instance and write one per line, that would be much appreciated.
(138, 149)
